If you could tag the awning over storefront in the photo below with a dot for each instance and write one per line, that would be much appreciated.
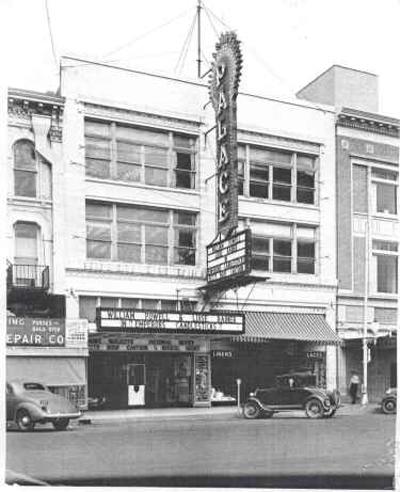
(264, 326)
(52, 371)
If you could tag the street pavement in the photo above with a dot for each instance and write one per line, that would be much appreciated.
(351, 450)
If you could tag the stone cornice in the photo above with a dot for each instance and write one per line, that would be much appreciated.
(360, 120)
(23, 104)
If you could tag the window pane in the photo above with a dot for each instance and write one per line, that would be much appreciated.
(306, 250)
(98, 210)
(386, 198)
(282, 247)
(258, 190)
(260, 262)
(305, 195)
(384, 245)
(97, 148)
(184, 161)
(141, 135)
(305, 179)
(128, 172)
(156, 235)
(24, 155)
(25, 230)
(155, 176)
(305, 162)
(282, 175)
(168, 305)
(97, 128)
(156, 157)
(149, 304)
(184, 179)
(109, 302)
(282, 255)
(98, 249)
(46, 180)
(305, 265)
(259, 172)
(97, 168)
(130, 303)
(387, 273)
(305, 257)
(140, 214)
(131, 253)
(184, 238)
(156, 255)
(182, 141)
(184, 218)
(99, 232)
(384, 174)
(185, 256)
(260, 244)
(24, 183)
(128, 152)
(129, 233)
(281, 193)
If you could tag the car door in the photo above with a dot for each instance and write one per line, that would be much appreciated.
(10, 402)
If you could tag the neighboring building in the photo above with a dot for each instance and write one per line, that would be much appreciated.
(41, 344)
(367, 161)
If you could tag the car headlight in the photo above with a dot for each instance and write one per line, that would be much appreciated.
(388, 391)
(327, 402)
(252, 394)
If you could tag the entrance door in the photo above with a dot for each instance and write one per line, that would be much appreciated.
(136, 379)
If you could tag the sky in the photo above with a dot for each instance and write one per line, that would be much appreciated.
(285, 43)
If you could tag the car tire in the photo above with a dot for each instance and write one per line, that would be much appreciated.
(251, 410)
(267, 415)
(314, 409)
(60, 424)
(24, 420)
(389, 406)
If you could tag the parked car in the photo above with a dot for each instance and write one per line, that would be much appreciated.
(293, 391)
(30, 403)
(389, 401)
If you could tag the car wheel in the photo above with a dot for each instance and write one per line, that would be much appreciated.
(389, 406)
(24, 420)
(251, 410)
(330, 414)
(314, 409)
(60, 424)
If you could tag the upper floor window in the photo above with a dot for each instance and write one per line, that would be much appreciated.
(276, 174)
(286, 248)
(153, 157)
(136, 234)
(384, 189)
(26, 243)
(32, 175)
(385, 264)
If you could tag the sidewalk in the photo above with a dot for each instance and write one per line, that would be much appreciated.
(230, 412)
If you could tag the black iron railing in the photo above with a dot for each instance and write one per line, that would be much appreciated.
(28, 276)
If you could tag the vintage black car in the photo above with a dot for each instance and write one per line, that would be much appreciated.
(292, 391)
(389, 401)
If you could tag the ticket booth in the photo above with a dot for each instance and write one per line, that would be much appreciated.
(136, 381)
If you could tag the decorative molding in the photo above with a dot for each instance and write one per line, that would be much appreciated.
(135, 117)
(366, 123)
(20, 110)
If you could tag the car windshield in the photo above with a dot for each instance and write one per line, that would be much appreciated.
(34, 386)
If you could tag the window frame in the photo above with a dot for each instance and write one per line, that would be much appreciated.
(169, 225)
(172, 149)
(385, 253)
(272, 185)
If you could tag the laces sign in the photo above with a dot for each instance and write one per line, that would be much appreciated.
(224, 83)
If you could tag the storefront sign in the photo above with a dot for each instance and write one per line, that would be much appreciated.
(229, 258)
(222, 354)
(122, 343)
(224, 83)
(40, 332)
(76, 333)
(315, 355)
(139, 321)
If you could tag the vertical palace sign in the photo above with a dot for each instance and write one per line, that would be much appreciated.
(224, 83)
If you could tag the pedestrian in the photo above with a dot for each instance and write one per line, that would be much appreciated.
(353, 387)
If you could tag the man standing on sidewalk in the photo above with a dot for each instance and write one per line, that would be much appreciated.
(353, 387)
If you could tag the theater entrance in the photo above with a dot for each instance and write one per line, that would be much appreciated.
(141, 379)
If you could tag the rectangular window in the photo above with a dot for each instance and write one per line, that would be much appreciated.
(385, 185)
(273, 247)
(386, 272)
(25, 169)
(276, 174)
(136, 234)
(156, 158)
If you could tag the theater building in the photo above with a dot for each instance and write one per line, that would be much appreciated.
(367, 161)
(140, 209)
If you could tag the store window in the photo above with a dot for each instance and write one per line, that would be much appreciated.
(32, 175)
(135, 234)
(385, 261)
(276, 175)
(152, 157)
(283, 248)
(384, 189)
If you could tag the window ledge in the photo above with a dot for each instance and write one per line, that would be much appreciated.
(151, 270)
(388, 217)
(27, 199)
(263, 201)
(133, 184)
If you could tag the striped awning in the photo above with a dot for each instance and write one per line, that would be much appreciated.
(263, 326)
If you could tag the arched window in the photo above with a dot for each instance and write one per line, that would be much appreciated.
(32, 174)
(25, 169)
